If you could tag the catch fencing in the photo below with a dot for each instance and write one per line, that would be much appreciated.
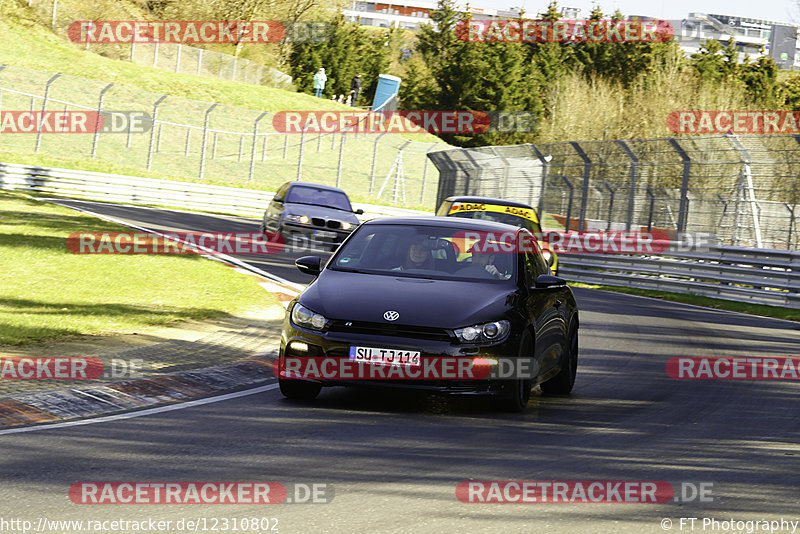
(214, 143)
(745, 190)
(173, 57)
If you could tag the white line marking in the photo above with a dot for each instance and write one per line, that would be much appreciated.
(141, 413)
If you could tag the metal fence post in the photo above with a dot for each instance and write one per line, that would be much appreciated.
(683, 211)
(568, 222)
(214, 146)
(253, 148)
(632, 187)
(285, 145)
(99, 118)
(745, 160)
(611, 192)
(53, 20)
(205, 137)
(374, 163)
(545, 168)
(153, 131)
(44, 102)
(652, 197)
(155, 54)
(425, 173)
(178, 58)
(791, 225)
(199, 60)
(341, 161)
(587, 170)
(300, 155)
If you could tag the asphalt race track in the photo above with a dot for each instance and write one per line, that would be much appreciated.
(392, 461)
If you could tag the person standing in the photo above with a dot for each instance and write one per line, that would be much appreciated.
(355, 88)
(319, 82)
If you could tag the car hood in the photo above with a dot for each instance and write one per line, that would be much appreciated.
(420, 302)
(291, 208)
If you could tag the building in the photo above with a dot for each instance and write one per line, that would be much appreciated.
(407, 14)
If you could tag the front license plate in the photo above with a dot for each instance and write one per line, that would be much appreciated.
(324, 233)
(379, 356)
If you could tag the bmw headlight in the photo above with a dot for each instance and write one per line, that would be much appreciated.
(299, 219)
(346, 226)
(482, 333)
(302, 316)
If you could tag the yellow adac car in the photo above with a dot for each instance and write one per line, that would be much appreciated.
(504, 211)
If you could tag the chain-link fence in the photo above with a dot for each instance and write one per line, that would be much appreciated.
(214, 143)
(745, 190)
(173, 57)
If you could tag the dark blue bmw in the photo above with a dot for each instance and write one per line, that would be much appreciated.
(410, 289)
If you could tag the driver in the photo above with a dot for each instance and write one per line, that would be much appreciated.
(417, 257)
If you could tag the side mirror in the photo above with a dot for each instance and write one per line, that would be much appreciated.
(276, 198)
(309, 265)
(545, 281)
(359, 211)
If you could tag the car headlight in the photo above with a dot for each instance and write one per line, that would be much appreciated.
(300, 219)
(483, 332)
(346, 226)
(304, 317)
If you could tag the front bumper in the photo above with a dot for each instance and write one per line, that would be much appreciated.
(337, 345)
(315, 235)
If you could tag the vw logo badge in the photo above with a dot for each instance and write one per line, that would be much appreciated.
(391, 315)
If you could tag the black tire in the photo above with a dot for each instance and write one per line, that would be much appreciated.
(517, 393)
(562, 383)
(299, 390)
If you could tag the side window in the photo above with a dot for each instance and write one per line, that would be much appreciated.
(444, 208)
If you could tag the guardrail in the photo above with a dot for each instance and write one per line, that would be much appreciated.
(149, 191)
(733, 273)
(758, 276)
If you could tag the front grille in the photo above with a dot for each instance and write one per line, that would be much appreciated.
(391, 330)
(334, 224)
(318, 221)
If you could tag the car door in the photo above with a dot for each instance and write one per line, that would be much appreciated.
(272, 216)
(546, 309)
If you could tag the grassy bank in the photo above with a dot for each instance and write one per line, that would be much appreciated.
(50, 293)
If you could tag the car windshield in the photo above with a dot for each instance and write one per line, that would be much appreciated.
(301, 194)
(505, 218)
(432, 252)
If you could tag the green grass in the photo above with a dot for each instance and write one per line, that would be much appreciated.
(30, 45)
(50, 293)
(764, 310)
